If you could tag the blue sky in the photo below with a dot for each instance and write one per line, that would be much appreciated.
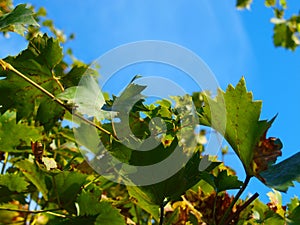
(232, 43)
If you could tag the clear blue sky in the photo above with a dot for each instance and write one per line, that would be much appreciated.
(233, 43)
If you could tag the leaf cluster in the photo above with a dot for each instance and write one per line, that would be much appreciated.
(41, 153)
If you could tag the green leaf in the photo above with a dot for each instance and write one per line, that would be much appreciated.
(264, 215)
(89, 203)
(37, 62)
(78, 220)
(109, 215)
(15, 137)
(226, 182)
(243, 127)
(241, 4)
(281, 176)
(270, 3)
(17, 20)
(34, 175)
(87, 98)
(8, 196)
(143, 200)
(187, 176)
(295, 216)
(67, 185)
(283, 36)
(73, 77)
(293, 204)
(14, 182)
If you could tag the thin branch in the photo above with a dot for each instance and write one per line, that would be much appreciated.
(29, 211)
(240, 192)
(161, 219)
(7, 66)
(4, 163)
(244, 206)
(214, 209)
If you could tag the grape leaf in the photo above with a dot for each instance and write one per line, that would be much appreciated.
(72, 221)
(72, 78)
(241, 4)
(87, 98)
(281, 175)
(66, 186)
(17, 20)
(295, 216)
(15, 137)
(270, 3)
(143, 200)
(187, 177)
(14, 182)
(37, 62)
(243, 127)
(34, 175)
(89, 203)
(226, 182)
(284, 36)
(109, 215)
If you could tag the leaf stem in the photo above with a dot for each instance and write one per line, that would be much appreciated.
(162, 209)
(214, 209)
(240, 192)
(244, 206)
(7, 66)
(4, 163)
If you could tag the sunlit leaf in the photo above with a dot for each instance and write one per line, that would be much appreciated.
(17, 20)
(241, 4)
(34, 175)
(37, 62)
(243, 126)
(14, 182)
(16, 137)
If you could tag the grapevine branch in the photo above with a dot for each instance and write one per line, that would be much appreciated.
(7, 66)
(244, 206)
(29, 211)
(161, 218)
(240, 192)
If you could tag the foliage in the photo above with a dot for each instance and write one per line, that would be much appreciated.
(286, 31)
(42, 163)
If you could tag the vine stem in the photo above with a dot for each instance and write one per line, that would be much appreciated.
(244, 206)
(240, 192)
(29, 211)
(7, 66)
(162, 209)
(4, 163)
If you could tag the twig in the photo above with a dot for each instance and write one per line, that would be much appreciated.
(4, 163)
(161, 219)
(30, 211)
(214, 209)
(246, 182)
(7, 66)
(244, 206)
